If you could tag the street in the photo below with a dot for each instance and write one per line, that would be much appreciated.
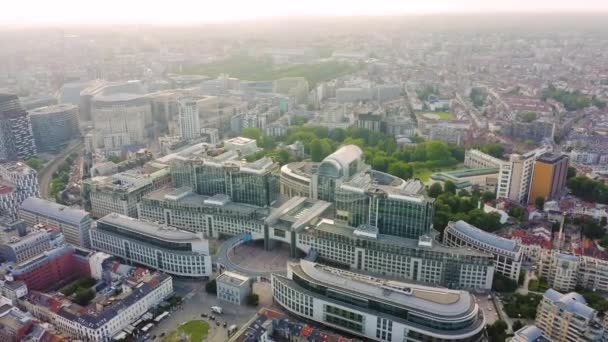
(46, 174)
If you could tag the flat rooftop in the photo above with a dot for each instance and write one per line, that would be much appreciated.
(551, 158)
(232, 278)
(150, 229)
(432, 300)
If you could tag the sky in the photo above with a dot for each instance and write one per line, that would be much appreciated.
(32, 12)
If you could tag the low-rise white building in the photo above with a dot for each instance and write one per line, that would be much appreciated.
(507, 253)
(167, 249)
(233, 287)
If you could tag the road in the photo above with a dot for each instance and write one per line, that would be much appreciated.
(46, 174)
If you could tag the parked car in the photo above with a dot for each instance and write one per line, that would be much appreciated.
(225, 324)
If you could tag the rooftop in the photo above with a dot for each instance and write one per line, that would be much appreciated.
(571, 302)
(232, 278)
(344, 230)
(150, 229)
(53, 109)
(483, 236)
(54, 210)
(432, 300)
(551, 158)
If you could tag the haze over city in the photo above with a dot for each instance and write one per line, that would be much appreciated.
(182, 12)
(248, 171)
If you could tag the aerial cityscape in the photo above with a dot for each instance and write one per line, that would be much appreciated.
(369, 173)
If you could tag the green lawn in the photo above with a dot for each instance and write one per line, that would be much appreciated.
(194, 330)
(262, 69)
(440, 115)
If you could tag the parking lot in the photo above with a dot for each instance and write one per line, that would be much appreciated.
(196, 302)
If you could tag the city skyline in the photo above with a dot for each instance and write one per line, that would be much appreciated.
(36, 12)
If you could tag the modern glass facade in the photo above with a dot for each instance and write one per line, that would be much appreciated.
(257, 188)
(393, 215)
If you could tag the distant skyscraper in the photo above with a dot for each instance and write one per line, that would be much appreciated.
(16, 138)
(549, 177)
(189, 125)
(54, 126)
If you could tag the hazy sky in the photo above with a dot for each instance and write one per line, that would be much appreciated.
(189, 11)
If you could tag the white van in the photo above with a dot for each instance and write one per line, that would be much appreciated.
(217, 309)
(232, 329)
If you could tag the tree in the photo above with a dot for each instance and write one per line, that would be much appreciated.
(495, 150)
(539, 202)
(211, 287)
(319, 149)
(251, 133)
(253, 299)
(114, 159)
(449, 187)
(497, 332)
(592, 230)
(571, 172)
(517, 324)
(435, 190)
(488, 196)
(503, 283)
(35, 163)
(83, 296)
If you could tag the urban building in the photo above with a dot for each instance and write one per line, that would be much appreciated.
(507, 253)
(106, 318)
(537, 131)
(54, 126)
(255, 183)
(421, 260)
(485, 179)
(20, 248)
(121, 192)
(16, 136)
(73, 223)
(120, 118)
(560, 269)
(13, 290)
(188, 119)
(530, 333)
(17, 182)
(549, 177)
(166, 249)
(244, 146)
(14, 323)
(52, 267)
(233, 287)
(377, 309)
(213, 216)
(515, 175)
(566, 317)
(362, 195)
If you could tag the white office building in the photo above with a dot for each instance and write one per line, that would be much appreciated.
(507, 253)
(233, 287)
(72, 222)
(166, 249)
(375, 308)
(188, 119)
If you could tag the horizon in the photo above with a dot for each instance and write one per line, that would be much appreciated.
(36, 13)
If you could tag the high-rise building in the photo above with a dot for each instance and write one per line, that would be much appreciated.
(188, 119)
(17, 182)
(54, 126)
(567, 317)
(375, 308)
(549, 177)
(16, 137)
(167, 249)
(515, 175)
(73, 223)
